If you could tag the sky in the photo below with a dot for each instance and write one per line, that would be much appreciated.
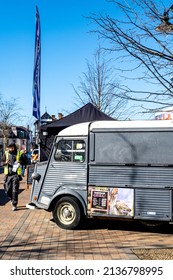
(66, 44)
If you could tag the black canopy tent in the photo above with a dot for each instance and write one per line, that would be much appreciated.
(86, 113)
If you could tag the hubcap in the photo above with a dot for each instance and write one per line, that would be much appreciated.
(66, 213)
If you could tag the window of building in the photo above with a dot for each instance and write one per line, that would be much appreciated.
(70, 150)
(22, 134)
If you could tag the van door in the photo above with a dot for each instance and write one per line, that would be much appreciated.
(67, 168)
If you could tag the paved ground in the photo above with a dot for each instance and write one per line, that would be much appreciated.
(32, 234)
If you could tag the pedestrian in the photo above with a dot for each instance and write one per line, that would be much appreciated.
(12, 171)
(24, 161)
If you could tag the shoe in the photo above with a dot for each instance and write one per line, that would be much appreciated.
(14, 208)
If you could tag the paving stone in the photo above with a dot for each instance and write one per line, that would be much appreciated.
(32, 234)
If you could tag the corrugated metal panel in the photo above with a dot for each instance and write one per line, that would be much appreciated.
(135, 176)
(172, 205)
(64, 174)
(152, 203)
(39, 168)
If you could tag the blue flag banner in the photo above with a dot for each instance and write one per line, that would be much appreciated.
(37, 69)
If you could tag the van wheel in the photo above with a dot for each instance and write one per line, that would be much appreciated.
(148, 223)
(67, 213)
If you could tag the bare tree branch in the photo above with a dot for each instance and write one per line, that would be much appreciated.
(9, 116)
(141, 51)
(98, 86)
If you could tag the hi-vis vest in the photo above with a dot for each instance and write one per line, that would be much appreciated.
(19, 170)
(34, 157)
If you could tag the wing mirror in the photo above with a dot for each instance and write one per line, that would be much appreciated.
(36, 176)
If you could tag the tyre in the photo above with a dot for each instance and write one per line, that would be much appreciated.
(67, 213)
(153, 224)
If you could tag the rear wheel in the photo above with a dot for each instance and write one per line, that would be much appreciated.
(67, 213)
(148, 223)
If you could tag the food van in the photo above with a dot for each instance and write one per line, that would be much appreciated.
(110, 169)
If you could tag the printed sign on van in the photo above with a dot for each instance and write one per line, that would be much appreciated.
(99, 201)
(112, 201)
(121, 201)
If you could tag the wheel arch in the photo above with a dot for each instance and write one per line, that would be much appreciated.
(71, 194)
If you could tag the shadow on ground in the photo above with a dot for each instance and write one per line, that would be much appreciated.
(95, 223)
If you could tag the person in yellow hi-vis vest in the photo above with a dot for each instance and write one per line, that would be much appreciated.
(12, 171)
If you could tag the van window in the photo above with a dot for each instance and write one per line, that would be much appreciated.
(70, 150)
(135, 147)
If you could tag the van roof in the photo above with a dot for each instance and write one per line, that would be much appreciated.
(81, 129)
(132, 124)
(76, 129)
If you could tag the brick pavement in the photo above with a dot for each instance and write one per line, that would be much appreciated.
(32, 234)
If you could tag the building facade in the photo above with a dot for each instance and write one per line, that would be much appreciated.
(19, 135)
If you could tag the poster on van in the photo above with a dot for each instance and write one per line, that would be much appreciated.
(112, 201)
(121, 202)
(99, 201)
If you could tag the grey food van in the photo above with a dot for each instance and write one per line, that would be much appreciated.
(115, 169)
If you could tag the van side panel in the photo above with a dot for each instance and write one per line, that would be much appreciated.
(153, 203)
(64, 175)
(137, 160)
(134, 176)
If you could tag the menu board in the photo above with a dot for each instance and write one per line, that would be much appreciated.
(30, 170)
(99, 200)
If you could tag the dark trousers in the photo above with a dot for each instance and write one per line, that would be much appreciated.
(12, 188)
(23, 169)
